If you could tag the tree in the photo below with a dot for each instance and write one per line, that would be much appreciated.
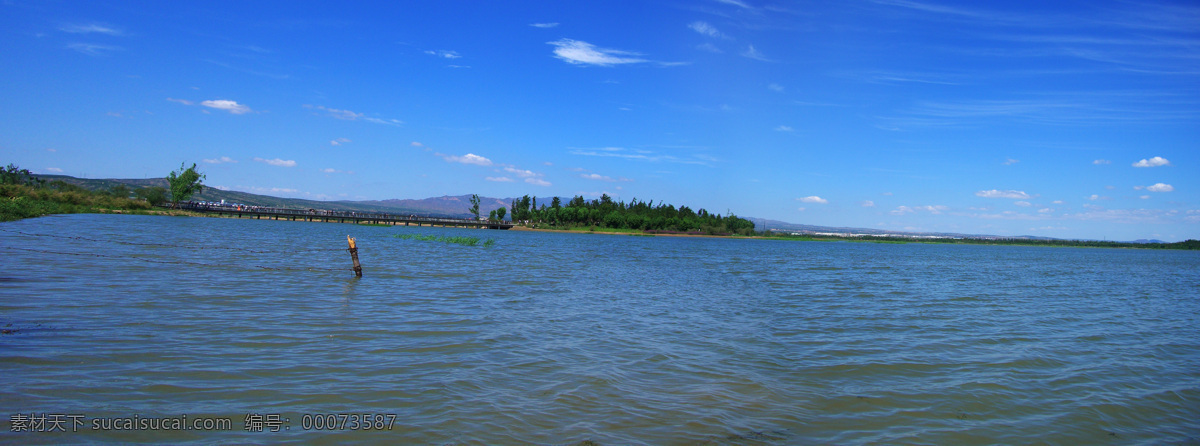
(492, 215)
(154, 195)
(185, 182)
(119, 191)
(16, 175)
(474, 209)
(500, 213)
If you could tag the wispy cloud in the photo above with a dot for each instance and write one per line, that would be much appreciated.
(643, 155)
(706, 29)
(227, 105)
(444, 54)
(812, 199)
(1160, 187)
(469, 158)
(221, 160)
(1101, 162)
(521, 173)
(90, 28)
(784, 128)
(54, 170)
(181, 101)
(499, 179)
(544, 25)
(867, 204)
(348, 115)
(339, 141)
(277, 162)
(1010, 162)
(1152, 162)
(932, 209)
(753, 53)
(738, 3)
(582, 53)
(994, 193)
(537, 182)
(93, 49)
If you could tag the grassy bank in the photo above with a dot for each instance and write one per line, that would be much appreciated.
(21, 201)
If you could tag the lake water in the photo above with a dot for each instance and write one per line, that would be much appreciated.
(553, 338)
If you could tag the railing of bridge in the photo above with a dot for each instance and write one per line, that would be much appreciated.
(323, 213)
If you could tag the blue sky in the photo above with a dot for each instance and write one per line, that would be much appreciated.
(1059, 119)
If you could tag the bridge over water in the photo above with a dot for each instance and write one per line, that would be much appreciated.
(270, 213)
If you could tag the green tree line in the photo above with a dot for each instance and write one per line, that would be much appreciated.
(24, 195)
(635, 215)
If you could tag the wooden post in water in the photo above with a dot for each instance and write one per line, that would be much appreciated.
(354, 256)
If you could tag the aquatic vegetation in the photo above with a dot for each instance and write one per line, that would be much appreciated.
(460, 240)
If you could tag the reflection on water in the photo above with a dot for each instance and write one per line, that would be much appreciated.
(561, 338)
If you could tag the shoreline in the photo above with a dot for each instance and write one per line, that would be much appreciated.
(1180, 246)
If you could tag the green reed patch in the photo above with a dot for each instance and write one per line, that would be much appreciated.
(460, 240)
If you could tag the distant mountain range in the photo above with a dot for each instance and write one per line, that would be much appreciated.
(457, 207)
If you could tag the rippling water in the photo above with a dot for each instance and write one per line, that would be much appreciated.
(560, 338)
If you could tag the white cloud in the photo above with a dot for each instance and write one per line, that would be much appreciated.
(54, 169)
(1011, 161)
(801, 209)
(227, 105)
(500, 179)
(1058, 202)
(521, 173)
(783, 128)
(709, 47)
(1095, 197)
(754, 53)
(706, 29)
(91, 28)
(1152, 162)
(469, 158)
(1160, 187)
(444, 53)
(348, 115)
(1144, 197)
(1023, 204)
(277, 162)
(339, 141)
(1045, 210)
(868, 204)
(738, 3)
(51, 150)
(223, 159)
(932, 209)
(181, 101)
(595, 176)
(775, 87)
(1014, 194)
(813, 199)
(1101, 162)
(544, 25)
(583, 53)
(93, 49)
(537, 181)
